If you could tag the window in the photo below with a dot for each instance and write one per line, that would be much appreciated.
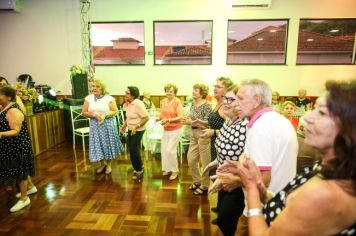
(183, 42)
(257, 41)
(118, 43)
(326, 41)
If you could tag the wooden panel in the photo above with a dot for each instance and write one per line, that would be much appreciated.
(72, 200)
(46, 130)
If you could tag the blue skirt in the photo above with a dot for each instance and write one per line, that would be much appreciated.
(104, 141)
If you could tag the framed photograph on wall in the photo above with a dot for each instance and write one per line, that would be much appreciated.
(118, 43)
(257, 42)
(326, 42)
(182, 42)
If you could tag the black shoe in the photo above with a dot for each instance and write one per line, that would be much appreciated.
(214, 221)
(214, 209)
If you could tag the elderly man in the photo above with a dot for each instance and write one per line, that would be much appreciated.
(271, 142)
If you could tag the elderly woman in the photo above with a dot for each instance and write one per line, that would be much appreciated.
(321, 200)
(289, 112)
(230, 144)
(216, 120)
(104, 141)
(276, 103)
(199, 147)
(4, 82)
(31, 187)
(136, 118)
(171, 115)
(147, 101)
(16, 157)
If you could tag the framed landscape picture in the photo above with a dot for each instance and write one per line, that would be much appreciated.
(118, 43)
(183, 42)
(257, 42)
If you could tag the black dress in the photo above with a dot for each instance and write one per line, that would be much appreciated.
(215, 121)
(16, 156)
(275, 205)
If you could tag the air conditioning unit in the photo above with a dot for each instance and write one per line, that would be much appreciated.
(251, 3)
(10, 5)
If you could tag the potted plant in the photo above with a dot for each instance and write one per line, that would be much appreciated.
(79, 80)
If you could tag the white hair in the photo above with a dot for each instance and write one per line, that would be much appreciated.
(259, 88)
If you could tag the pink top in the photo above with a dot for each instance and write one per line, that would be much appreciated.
(169, 110)
(135, 111)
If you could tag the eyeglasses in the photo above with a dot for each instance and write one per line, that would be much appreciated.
(228, 100)
(218, 86)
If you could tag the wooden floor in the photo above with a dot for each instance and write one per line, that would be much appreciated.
(73, 200)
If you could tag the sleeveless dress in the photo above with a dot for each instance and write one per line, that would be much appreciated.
(215, 121)
(16, 156)
(272, 209)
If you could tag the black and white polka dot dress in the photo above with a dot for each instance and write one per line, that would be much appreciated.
(16, 156)
(230, 142)
(274, 206)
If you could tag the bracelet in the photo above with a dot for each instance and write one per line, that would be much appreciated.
(254, 212)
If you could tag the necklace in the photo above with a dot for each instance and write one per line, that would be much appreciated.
(218, 105)
(234, 121)
(7, 107)
(97, 97)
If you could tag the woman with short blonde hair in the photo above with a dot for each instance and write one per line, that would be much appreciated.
(199, 147)
(170, 117)
(104, 142)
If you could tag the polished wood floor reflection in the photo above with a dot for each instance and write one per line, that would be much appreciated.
(73, 200)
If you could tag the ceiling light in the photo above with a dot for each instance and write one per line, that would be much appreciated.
(231, 31)
(272, 31)
(260, 39)
(310, 40)
(156, 32)
(162, 40)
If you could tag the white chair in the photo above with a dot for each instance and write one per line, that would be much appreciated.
(182, 142)
(120, 119)
(80, 125)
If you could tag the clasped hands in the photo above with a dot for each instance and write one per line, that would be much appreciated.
(100, 118)
(233, 174)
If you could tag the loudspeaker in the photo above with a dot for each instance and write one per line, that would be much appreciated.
(79, 86)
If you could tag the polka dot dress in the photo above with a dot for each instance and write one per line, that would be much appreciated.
(230, 143)
(16, 157)
(272, 209)
(104, 142)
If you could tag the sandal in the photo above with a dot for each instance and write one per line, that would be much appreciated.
(194, 186)
(200, 191)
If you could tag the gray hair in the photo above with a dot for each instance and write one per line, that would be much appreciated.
(259, 88)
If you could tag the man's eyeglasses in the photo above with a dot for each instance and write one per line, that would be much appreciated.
(228, 100)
